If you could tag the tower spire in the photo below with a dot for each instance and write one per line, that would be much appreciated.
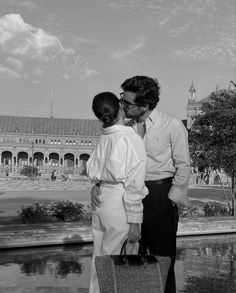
(192, 92)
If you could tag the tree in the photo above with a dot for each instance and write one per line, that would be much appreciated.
(212, 138)
(29, 171)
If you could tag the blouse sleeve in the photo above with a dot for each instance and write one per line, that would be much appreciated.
(134, 183)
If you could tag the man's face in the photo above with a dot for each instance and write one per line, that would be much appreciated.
(131, 109)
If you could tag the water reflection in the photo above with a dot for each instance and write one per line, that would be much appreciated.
(58, 262)
(209, 264)
(53, 267)
(204, 264)
(38, 269)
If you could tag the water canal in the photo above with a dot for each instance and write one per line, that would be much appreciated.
(204, 264)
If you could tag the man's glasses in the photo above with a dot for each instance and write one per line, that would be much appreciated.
(127, 103)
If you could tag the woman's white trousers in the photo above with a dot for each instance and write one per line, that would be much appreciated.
(109, 228)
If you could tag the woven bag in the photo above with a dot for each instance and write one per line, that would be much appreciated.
(132, 273)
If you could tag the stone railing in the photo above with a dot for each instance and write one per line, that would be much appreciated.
(13, 236)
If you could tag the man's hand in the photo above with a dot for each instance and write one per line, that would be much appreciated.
(134, 233)
(95, 200)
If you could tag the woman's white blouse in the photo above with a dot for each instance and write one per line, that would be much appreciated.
(120, 158)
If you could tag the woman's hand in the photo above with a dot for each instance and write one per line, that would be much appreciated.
(134, 233)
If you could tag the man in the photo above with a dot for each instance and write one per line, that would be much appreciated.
(168, 167)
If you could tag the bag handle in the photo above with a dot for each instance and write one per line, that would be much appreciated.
(123, 248)
(145, 258)
(141, 249)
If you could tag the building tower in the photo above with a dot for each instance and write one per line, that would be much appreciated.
(192, 106)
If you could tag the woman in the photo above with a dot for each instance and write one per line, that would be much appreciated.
(119, 165)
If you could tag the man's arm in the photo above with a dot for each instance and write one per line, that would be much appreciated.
(181, 160)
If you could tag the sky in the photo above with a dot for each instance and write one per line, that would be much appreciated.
(55, 55)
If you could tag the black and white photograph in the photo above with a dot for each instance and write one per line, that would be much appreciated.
(117, 146)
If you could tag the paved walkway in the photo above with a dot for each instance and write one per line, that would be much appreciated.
(9, 184)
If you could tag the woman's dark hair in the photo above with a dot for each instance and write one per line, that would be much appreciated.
(106, 107)
(147, 90)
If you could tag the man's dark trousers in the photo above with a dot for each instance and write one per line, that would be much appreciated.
(160, 222)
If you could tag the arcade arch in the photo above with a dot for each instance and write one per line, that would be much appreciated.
(83, 158)
(54, 159)
(69, 160)
(22, 159)
(38, 159)
(6, 158)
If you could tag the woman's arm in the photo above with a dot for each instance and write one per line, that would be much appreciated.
(135, 192)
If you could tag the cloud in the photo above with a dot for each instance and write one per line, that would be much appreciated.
(217, 44)
(15, 62)
(26, 4)
(191, 52)
(165, 13)
(81, 40)
(30, 5)
(131, 49)
(198, 52)
(24, 43)
(179, 30)
(88, 72)
(8, 73)
(21, 39)
(152, 12)
(78, 69)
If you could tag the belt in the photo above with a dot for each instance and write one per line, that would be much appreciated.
(160, 181)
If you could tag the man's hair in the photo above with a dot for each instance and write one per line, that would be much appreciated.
(147, 90)
(106, 107)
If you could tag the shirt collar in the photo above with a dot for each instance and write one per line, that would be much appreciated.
(153, 116)
(113, 128)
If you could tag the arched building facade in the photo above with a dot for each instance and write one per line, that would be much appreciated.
(63, 145)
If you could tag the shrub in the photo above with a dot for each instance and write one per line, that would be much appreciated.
(214, 209)
(35, 213)
(191, 212)
(29, 171)
(203, 209)
(65, 210)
